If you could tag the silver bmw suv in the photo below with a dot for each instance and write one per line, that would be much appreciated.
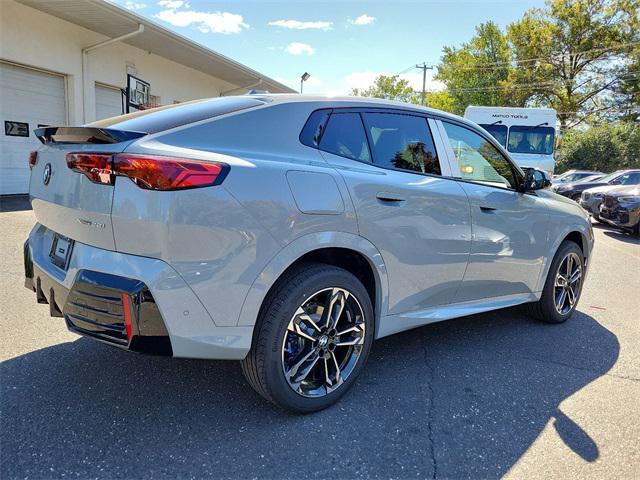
(289, 232)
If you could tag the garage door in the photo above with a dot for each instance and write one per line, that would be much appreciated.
(29, 98)
(108, 102)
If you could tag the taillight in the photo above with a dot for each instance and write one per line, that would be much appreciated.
(168, 173)
(150, 172)
(33, 159)
(96, 166)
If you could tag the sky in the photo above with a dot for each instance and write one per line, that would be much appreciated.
(342, 44)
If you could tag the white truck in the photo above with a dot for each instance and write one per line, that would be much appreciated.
(528, 134)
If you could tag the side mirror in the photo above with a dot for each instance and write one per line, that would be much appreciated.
(535, 180)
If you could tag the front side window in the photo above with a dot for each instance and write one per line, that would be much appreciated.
(344, 135)
(478, 160)
(524, 139)
(499, 132)
(402, 142)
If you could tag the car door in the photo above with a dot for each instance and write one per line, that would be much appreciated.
(406, 205)
(509, 228)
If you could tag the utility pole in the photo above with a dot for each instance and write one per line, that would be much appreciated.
(424, 68)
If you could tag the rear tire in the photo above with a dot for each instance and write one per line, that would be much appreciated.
(312, 338)
(563, 286)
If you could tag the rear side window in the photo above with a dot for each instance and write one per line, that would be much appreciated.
(313, 129)
(171, 116)
(344, 135)
(402, 142)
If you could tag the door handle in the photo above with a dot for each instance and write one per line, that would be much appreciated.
(487, 209)
(389, 197)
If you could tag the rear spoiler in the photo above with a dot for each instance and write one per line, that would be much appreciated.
(94, 135)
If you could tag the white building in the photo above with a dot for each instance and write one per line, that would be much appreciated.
(59, 65)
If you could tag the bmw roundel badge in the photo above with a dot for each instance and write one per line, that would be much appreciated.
(46, 175)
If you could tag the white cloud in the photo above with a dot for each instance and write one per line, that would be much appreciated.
(216, 22)
(363, 80)
(297, 48)
(298, 25)
(134, 5)
(173, 4)
(363, 19)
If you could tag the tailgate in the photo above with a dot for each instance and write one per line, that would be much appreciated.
(68, 202)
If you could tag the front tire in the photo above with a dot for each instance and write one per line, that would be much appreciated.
(563, 287)
(312, 338)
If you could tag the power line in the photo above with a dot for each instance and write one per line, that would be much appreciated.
(496, 65)
(524, 86)
(405, 70)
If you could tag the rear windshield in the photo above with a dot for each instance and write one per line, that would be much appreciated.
(171, 116)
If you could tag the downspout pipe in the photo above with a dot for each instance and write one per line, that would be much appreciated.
(85, 66)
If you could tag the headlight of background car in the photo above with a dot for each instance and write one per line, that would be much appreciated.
(629, 199)
(598, 195)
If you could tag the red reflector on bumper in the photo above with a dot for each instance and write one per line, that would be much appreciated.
(126, 312)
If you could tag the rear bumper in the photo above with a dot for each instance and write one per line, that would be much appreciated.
(93, 294)
(116, 310)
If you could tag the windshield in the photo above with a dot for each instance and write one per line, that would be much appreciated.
(611, 176)
(590, 178)
(538, 140)
(499, 132)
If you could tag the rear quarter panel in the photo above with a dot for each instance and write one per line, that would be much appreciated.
(221, 238)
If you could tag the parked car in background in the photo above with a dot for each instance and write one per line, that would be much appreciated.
(591, 199)
(289, 232)
(621, 208)
(621, 177)
(573, 176)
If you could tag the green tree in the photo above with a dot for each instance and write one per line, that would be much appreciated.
(629, 87)
(395, 88)
(607, 147)
(475, 72)
(570, 56)
(441, 100)
(389, 87)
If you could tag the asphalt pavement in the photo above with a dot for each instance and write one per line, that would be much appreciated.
(485, 396)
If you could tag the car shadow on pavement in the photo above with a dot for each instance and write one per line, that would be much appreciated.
(458, 399)
(623, 236)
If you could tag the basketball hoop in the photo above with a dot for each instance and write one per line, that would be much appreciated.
(138, 92)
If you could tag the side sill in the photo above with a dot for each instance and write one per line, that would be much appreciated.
(391, 324)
